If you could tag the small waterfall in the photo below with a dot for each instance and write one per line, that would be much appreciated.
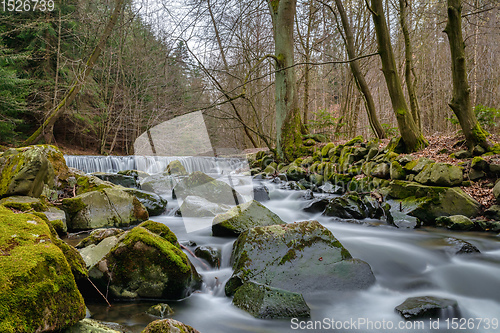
(153, 164)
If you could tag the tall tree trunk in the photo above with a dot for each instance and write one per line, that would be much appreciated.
(461, 101)
(358, 75)
(410, 132)
(47, 127)
(288, 122)
(410, 82)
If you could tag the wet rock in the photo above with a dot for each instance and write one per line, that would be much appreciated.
(109, 207)
(168, 326)
(455, 222)
(353, 206)
(146, 263)
(427, 307)
(242, 217)
(309, 195)
(317, 205)
(458, 246)
(295, 172)
(266, 302)
(261, 193)
(331, 189)
(440, 174)
(300, 257)
(201, 185)
(159, 183)
(430, 202)
(134, 173)
(491, 226)
(117, 179)
(161, 310)
(175, 168)
(35, 274)
(88, 325)
(154, 204)
(93, 253)
(210, 254)
(26, 171)
(194, 206)
(316, 179)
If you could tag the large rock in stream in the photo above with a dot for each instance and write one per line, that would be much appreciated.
(428, 307)
(301, 257)
(146, 263)
(31, 170)
(169, 326)
(243, 217)
(427, 203)
(38, 292)
(201, 185)
(108, 207)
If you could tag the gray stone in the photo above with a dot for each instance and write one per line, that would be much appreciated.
(496, 191)
(210, 254)
(397, 171)
(194, 206)
(440, 174)
(117, 179)
(416, 166)
(463, 154)
(301, 257)
(427, 307)
(242, 217)
(175, 168)
(92, 254)
(455, 222)
(493, 212)
(456, 246)
(476, 174)
(158, 183)
(155, 204)
(382, 170)
(266, 302)
(109, 207)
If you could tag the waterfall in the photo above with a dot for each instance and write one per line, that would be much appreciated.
(153, 164)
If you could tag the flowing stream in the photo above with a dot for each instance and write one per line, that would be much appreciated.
(406, 263)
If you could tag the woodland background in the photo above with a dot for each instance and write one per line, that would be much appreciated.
(168, 58)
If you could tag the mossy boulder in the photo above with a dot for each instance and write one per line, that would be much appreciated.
(243, 217)
(427, 307)
(168, 326)
(176, 168)
(161, 310)
(109, 207)
(326, 149)
(266, 302)
(38, 291)
(118, 179)
(430, 202)
(381, 170)
(26, 171)
(416, 166)
(295, 172)
(147, 263)
(496, 191)
(194, 206)
(357, 140)
(440, 174)
(158, 183)
(154, 204)
(301, 257)
(396, 171)
(455, 222)
(134, 173)
(201, 185)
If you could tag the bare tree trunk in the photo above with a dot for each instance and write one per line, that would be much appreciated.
(358, 75)
(288, 122)
(48, 125)
(410, 82)
(410, 132)
(461, 101)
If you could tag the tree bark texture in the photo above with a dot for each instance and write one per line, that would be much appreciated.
(461, 101)
(410, 132)
(358, 75)
(288, 120)
(45, 130)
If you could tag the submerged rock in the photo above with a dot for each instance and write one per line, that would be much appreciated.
(243, 217)
(38, 290)
(201, 185)
(168, 326)
(261, 193)
(353, 206)
(428, 307)
(161, 310)
(299, 257)
(109, 207)
(459, 246)
(266, 302)
(146, 263)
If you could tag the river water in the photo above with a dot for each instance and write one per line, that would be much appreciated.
(406, 263)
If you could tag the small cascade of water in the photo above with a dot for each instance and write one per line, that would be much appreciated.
(153, 164)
